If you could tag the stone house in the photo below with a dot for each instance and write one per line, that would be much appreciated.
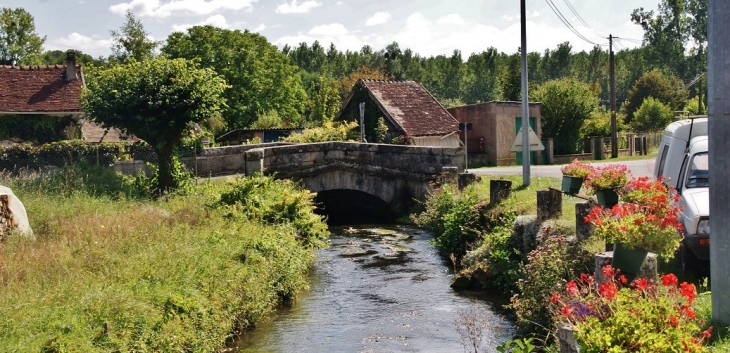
(405, 108)
(494, 128)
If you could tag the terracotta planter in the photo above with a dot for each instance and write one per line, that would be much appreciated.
(607, 197)
(629, 261)
(571, 184)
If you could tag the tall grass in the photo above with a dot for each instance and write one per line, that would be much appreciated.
(114, 274)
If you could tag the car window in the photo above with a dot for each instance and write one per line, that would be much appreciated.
(698, 174)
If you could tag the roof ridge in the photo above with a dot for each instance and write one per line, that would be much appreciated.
(35, 67)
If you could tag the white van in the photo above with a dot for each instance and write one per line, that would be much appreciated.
(683, 160)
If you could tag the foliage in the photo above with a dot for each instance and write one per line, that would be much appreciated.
(154, 100)
(645, 317)
(329, 131)
(667, 89)
(324, 100)
(517, 346)
(147, 276)
(693, 106)
(577, 169)
(268, 120)
(546, 268)
(269, 201)
(132, 42)
(653, 115)
(345, 84)
(647, 219)
(39, 129)
(260, 78)
(19, 44)
(599, 123)
(58, 57)
(566, 104)
(498, 256)
(381, 131)
(609, 176)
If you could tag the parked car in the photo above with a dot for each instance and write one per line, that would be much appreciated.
(684, 164)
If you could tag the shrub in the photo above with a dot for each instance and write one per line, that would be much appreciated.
(278, 202)
(645, 317)
(653, 115)
(329, 131)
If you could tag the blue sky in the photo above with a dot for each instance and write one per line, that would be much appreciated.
(428, 27)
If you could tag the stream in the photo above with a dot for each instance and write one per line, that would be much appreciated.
(380, 289)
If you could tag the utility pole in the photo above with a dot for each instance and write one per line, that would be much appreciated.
(612, 75)
(718, 104)
(525, 106)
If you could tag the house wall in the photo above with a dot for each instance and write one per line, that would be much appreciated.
(437, 141)
(494, 122)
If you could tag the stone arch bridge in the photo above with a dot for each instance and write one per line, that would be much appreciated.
(375, 179)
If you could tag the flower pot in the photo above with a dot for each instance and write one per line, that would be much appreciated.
(607, 197)
(629, 261)
(571, 184)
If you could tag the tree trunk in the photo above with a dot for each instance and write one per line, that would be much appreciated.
(165, 180)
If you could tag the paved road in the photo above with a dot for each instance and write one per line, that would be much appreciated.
(639, 167)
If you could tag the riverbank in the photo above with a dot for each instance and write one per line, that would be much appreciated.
(105, 273)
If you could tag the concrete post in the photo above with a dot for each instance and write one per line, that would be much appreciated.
(630, 138)
(549, 204)
(550, 150)
(466, 179)
(499, 190)
(718, 84)
(583, 230)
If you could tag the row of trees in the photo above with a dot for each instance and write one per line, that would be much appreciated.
(305, 85)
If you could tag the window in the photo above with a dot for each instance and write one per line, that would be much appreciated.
(698, 175)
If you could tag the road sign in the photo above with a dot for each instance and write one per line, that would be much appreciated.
(535, 143)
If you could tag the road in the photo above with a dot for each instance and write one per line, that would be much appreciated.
(638, 167)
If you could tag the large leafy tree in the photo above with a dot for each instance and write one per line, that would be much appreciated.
(261, 79)
(566, 104)
(132, 41)
(667, 89)
(665, 33)
(155, 100)
(19, 44)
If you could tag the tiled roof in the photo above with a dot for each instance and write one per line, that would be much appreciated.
(412, 107)
(39, 89)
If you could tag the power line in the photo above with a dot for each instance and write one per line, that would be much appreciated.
(566, 22)
(572, 9)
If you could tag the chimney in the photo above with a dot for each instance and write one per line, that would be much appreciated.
(70, 66)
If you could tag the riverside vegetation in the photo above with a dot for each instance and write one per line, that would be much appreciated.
(108, 271)
(480, 239)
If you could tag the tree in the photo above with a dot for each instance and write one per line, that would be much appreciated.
(155, 100)
(667, 89)
(653, 115)
(665, 33)
(261, 79)
(566, 104)
(510, 79)
(58, 57)
(19, 44)
(132, 41)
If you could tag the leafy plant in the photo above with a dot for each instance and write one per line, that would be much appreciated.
(329, 131)
(577, 169)
(610, 176)
(648, 219)
(645, 317)
(520, 345)
(652, 115)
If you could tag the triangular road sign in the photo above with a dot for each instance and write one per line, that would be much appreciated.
(535, 143)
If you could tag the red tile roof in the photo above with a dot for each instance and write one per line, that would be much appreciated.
(39, 89)
(412, 107)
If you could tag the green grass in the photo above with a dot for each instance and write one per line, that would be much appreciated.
(108, 274)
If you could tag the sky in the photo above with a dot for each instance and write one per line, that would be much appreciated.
(427, 27)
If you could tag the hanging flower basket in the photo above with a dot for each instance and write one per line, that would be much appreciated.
(607, 197)
(571, 184)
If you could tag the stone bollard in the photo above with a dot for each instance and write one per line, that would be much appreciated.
(568, 343)
(549, 204)
(499, 190)
(583, 230)
(648, 269)
(466, 179)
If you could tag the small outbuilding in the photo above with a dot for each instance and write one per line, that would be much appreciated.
(400, 112)
(494, 128)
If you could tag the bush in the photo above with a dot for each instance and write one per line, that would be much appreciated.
(279, 202)
(653, 115)
(329, 131)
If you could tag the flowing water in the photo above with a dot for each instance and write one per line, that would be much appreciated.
(379, 289)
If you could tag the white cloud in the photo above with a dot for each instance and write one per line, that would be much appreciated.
(330, 33)
(160, 9)
(296, 7)
(260, 28)
(452, 19)
(94, 46)
(215, 21)
(378, 18)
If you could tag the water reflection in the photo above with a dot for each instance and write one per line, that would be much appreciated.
(376, 289)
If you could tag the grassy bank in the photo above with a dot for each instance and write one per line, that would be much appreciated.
(179, 274)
